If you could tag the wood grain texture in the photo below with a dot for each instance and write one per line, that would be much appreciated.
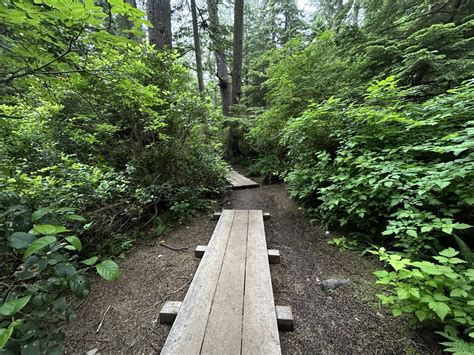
(224, 327)
(239, 181)
(260, 329)
(188, 329)
(229, 307)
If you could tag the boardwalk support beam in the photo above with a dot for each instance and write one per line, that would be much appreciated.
(284, 317)
(217, 215)
(170, 310)
(273, 254)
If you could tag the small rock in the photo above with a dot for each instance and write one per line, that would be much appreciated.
(332, 284)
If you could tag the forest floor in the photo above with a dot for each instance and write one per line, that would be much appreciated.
(345, 321)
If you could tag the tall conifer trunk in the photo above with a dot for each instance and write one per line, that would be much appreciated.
(237, 55)
(219, 51)
(159, 14)
(197, 47)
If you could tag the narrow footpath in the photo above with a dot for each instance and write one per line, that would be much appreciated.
(122, 317)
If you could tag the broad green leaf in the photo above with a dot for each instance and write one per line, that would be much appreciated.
(412, 233)
(9, 308)
(38, 244)
(21, 240)
(396, 312)
(80, 286)
(75, 241)
(441, 309)
(421, 315)
(458, 292)
(440, 297)
(90, 261)
(402, 293)
(76, 217)
(37, 215)
(49, 229)
(449, 253)
(5, 334)
(65, 269)
(461, 226)
(109, 270)
(381, 273)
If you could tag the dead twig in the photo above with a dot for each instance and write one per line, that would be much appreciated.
(175, 291)
(172, 248)
(102, 320)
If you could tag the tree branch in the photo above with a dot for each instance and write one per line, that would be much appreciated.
(33, 71)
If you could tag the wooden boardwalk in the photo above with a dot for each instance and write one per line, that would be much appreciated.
(229, 307)
(239, 181)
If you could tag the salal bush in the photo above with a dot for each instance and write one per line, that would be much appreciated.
(42, 263)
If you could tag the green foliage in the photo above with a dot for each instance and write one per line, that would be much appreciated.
(371, 121)
(343, 243)
(93, 118)
(43, 263)
(387, 166)
(438, 290)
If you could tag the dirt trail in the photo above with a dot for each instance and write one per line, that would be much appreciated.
(347, 320)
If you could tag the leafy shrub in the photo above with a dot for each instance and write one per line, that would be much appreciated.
(439, 291)
(42, 263)
(400, 169)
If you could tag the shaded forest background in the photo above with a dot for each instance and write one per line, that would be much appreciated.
(118, 118)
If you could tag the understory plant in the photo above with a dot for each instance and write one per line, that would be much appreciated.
(42, 266)
(397, 173)
(437, 291)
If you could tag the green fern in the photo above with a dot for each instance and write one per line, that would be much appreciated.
(456, 345)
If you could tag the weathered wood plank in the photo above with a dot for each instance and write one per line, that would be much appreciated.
(224, 326)
(169, 311)
(188, 330)
(273, 256)
(284, 317)
(199, 251)
(239, 181)
(260, 329)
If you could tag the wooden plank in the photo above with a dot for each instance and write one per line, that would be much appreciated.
(224, 327)
(273, 256)
(239, 181)
(188, 330)
(199, 251)
(260, 329)
(284, 317)
(169, 311)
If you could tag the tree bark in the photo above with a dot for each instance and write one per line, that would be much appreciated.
(197, 47)
(159, 14)
(219, 51)
(355, 13)
(237, 55)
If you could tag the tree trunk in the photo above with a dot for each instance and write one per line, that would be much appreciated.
(237, 55)
(159, 14)
(355, 13)
(341, 13)
(197, 47)
(219, 51)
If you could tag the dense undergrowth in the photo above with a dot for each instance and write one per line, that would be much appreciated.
(373, 132)
(101, 138)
